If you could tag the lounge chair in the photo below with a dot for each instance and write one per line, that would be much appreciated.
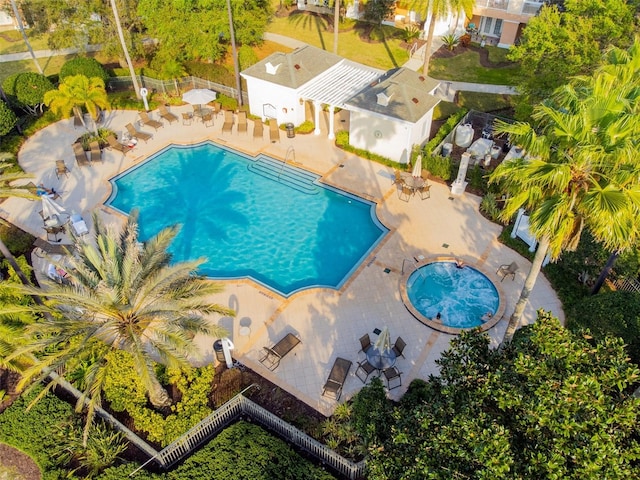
(144, 116)
(273, 355)
(393, 374)
(137, 133)
(167, 115)
(81, 156)
(398, 347)
(365, 369)
(337, 377)
(365, 343)
(242, 122)
(61, 169)
(274, 131)
(116, 145)
(258, 128)
(508, 269)
(228, 121)
(95, 154)
(78, 225)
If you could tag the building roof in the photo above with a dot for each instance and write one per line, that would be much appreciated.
(293, 69)
(400, 93)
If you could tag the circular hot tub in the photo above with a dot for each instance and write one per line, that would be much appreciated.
(451, 298)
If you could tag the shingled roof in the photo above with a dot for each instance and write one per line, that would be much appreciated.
(400, 93)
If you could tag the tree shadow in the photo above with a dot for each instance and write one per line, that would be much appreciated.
(311, 21)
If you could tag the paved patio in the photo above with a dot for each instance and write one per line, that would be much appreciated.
(328, 322)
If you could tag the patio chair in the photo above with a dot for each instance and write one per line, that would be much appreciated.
(228, 121)
(337, 377)
(167, 115)
(78, 225)
(207, 118)
(398, 347)
(61, 169)
(405, 193)
(365, 369)
(115, 145)
(137, 133)
(272, 356)
(95, 154)
(392, 374)
(365, 343)
(258, 128)
(146, 120)
(424, 174)
(80, 154)
(54, 231)
(187, 118)
(242, 121)
(508, 269)
(398, 180)
(424, 192)
(217, 108)
(274, 131)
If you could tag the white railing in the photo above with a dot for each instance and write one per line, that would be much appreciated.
(527, 8)
(239, 406)
(627, 285)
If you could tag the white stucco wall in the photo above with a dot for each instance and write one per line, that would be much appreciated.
(393, 141)
(285, 101)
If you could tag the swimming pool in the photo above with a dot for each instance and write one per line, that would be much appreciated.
(451, 299)
(250, 217)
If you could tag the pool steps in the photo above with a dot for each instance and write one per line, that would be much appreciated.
(278, 171)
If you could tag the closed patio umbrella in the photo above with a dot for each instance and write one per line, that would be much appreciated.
(383, 342)
(417, 168)
(199, 96)
(381, 355)
(52, 209)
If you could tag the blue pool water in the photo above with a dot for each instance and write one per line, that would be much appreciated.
(461, 295)
(250, 217)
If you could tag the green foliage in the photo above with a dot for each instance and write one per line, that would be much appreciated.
(26, 90)
(610, 314)
(247, 57)
(126, 392)
(31, 430)
(477, 178)
(245, 451)
(11, 144)
(305, 127)
(465, 40)
(411, 33)
(8, 119)
(211, 71)
(549, 405)
(489, 207)
(89, 137)
(102, 450)
(227, 103)
(451, 40)
(342, 141)
(371, 413)
(87, 66)
(438, 166)
(485, 102)
(17, 241)
(123, 471)
(375, 11)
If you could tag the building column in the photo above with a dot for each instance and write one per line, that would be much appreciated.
(316, 117)
(331, 122)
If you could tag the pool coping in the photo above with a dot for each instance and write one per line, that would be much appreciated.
(432, 323)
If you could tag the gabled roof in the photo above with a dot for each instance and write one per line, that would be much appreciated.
(400, 93)
(293, 69)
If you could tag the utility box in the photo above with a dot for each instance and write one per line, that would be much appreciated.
(218, 351)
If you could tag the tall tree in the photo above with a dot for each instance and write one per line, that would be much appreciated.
(78, 91)
(16, 13)
(438, 10)
(125, 49)
(336, 25)
(582, 168)
(123, 294)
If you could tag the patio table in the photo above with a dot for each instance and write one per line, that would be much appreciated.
(414, 183)
(381, 359)
(201, 112)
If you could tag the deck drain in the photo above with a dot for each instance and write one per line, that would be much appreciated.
(341, 165)
(445, 245)
(387, 270)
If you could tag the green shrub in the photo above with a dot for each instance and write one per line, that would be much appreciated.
(465, 40)
(610, 314)
(211, 71)
(305, 127)
(8, 119)
(227, 103)
(247, 57)
(439, 166)
(450, 41)
(12, 144)
(477, 178)
(17, 241)
(87, 66)
(371, 413)
(489, 206)
(89, 137)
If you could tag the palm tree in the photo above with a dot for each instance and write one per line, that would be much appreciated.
(78, 91)
(440, 9)
(336, 25)
(124, 295)
(123, 43)
(582, 171)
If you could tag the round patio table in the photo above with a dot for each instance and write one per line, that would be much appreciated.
(381, 359)
(414, 182)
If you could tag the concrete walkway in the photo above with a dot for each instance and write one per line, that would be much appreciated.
(16, 57)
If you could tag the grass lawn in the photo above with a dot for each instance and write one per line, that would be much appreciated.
(385, 53)
(466, 68)
(484, 102)
(11, 42)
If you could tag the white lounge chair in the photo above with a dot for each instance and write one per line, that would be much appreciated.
(78, 225)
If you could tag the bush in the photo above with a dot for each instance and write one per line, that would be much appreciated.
(439, 166)
(371, 413)
(87, 66)
(489, 207)
(17, 241)
(444, 130)
(610, 313)
(477, 178)
(450, 41)
(465, 40)
(342, 141)
(247, 57)
(211, 71)
(89, 137)
(305, 127)
(8, 119)
(227, 103)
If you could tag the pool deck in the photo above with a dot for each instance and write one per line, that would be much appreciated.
(328, 322)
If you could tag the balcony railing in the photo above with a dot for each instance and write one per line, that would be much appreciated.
(527, 8)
